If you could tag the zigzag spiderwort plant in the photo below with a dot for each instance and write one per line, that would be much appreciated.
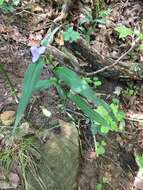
(80, 93)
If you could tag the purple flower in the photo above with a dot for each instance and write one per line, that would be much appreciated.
(36, 52)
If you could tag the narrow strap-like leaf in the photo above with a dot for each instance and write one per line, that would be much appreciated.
(87, 110)
(44, 84)
(80, 86)
(31, 77)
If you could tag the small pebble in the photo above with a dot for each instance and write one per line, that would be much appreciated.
(7, 118)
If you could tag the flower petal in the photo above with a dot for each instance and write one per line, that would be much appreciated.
(35, 58)
(41, 49)
(35, 53)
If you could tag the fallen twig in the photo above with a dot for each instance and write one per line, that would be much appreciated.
(117, 61)
(9, 82)
(67, 58)
(107, 67)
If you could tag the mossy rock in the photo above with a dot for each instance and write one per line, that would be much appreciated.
(59, 163)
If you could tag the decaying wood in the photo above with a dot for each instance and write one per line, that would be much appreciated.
(66, 59)
(96, 61)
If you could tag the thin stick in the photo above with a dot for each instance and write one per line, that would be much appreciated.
(9, 82)
(117, 61)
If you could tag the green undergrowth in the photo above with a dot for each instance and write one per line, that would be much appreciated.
(103, 117)
(79, 92)
(8, 6)
(19, 151)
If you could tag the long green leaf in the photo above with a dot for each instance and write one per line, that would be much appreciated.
(80, 86)
(44, 84)
(31, 77)
(88, 111)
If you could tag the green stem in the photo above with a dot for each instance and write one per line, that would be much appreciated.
(9, 82)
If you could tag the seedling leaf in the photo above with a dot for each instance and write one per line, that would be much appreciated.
(123, 31)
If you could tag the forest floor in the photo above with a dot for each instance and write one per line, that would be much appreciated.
(26, 26)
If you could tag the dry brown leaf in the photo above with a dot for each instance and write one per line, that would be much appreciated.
(7, 117)
(60, 40)
(37, 8)
(34, 39)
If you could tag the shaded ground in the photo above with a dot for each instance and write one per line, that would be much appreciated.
(26, 28)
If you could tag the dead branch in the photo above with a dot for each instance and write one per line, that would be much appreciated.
(66, 59)
(107, 67)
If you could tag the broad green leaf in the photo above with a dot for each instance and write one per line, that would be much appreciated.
(16, 2)
(31, 77)
(103, 143)
(100, 21)
(139, 159)
(67, 36)
(119, 114)
(44, 84)
(114, 126)
(88, 111)
(81, 87)
(6, 7)
(75, 36)
(140, 47)
(71, 35)
(99, 186)
(97, 83)
(123, 31)
(100, 150)
(1, 2)
(140, 36)
(104, 129)
(105, 13)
